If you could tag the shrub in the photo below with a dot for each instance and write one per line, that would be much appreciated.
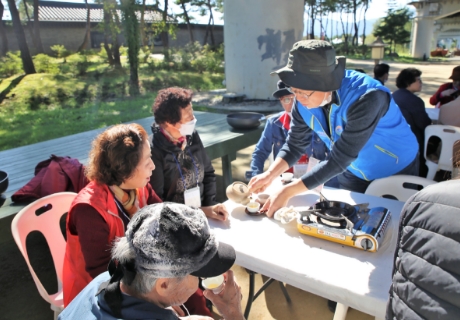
(45, 64)
(78, 64)
(60, 51)
(11, 64)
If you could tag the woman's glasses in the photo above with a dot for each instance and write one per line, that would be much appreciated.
(286, 100)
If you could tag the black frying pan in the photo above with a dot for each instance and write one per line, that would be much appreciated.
(245, 120)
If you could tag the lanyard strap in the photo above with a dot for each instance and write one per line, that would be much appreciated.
(120, 207)
(180, 171)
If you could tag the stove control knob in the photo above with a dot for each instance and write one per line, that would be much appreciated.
(367, 244)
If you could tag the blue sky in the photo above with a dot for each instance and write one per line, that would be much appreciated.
(377, 9)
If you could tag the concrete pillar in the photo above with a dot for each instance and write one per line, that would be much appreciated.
(258, 35)
(422, 36)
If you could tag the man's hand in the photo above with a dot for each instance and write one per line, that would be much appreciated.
(217, 212)
(228, 301)
(280, 198)
(448, 92)
(260, 182)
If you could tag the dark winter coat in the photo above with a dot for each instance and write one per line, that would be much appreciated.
(426, 272)
(166, 179)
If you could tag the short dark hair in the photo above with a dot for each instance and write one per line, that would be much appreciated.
(360, 70)
(381, 69)
(406, 77)
(115, 154)
(168, 104)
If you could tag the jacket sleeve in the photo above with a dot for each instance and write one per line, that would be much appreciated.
(422, 120)
(209, 179)
(157, 177)
(437, 96)
(93, 234)
(263, 148)
(298, 139)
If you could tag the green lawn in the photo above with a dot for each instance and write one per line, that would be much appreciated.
(47, 106)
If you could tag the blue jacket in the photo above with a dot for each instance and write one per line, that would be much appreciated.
(90, 305)
(391, 147)
(273, 138)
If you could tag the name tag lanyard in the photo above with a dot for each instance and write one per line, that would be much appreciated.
(180, 171)
(192, 196)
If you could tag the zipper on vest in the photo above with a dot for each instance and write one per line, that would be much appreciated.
(116, 215)
(312, 125)
(362, 173)
(387, 153)
(330, 128)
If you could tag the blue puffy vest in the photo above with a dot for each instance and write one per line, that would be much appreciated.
(392, 146)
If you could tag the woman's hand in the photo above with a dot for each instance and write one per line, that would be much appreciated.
(217, 212)
(260, 182)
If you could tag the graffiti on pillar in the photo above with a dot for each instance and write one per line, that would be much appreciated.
(276, 49)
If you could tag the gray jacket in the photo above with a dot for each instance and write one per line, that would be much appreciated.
(426, 272)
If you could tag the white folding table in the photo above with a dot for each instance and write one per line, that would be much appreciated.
(352, 277)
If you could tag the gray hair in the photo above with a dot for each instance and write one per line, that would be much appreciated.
(123, 252)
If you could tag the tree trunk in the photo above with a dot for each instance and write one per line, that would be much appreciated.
(142, 26)
(4, 47)
(131, 27)
(312, 32)
(355, 35)
(38, 39)
(364, 21)
(107, 22)
(27, 62)
(211, 20)
(187, 20)
(29, 24)
(87, 39)
(164, 34)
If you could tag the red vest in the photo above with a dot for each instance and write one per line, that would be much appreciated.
(75, 277)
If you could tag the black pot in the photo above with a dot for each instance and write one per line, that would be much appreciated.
(245, 120)
(3, 181)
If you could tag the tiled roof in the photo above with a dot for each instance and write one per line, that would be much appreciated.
(59, 11)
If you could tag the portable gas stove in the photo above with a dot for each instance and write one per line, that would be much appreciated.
(352, 225)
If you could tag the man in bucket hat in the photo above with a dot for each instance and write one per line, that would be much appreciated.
(275, 134)
(352, 113)
(156, 266)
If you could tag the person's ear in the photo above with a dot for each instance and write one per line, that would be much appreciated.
(161, 286)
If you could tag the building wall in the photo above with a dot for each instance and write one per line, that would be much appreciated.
(71, 35)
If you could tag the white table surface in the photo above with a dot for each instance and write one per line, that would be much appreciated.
(433, 113)
(340, 273)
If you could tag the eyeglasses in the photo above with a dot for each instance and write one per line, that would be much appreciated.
(298, 93)
(286, 100)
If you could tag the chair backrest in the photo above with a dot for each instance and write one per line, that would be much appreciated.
(448, 135)
(449, 113)
(401, 187)
(27, 220)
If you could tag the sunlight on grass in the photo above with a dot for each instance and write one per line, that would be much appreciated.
(48, 106)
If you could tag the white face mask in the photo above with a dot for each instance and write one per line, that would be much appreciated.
(186, 129)
(326, 100)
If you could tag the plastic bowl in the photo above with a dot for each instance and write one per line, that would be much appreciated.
(3, 181)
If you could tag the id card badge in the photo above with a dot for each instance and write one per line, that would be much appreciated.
(192, 197)
(311, 164)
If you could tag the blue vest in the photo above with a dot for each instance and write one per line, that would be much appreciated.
(391, 147)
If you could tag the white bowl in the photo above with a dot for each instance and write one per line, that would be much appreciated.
(262, 198)
(253, 206)
(287, 176)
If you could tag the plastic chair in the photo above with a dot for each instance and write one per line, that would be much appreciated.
(448, 135)
(53, 207)
(400, 187)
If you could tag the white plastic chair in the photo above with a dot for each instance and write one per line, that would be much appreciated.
(401, 187)
(448, 136)
(47, 223)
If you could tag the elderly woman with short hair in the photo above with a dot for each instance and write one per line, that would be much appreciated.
(119, 171)
(184, 172)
